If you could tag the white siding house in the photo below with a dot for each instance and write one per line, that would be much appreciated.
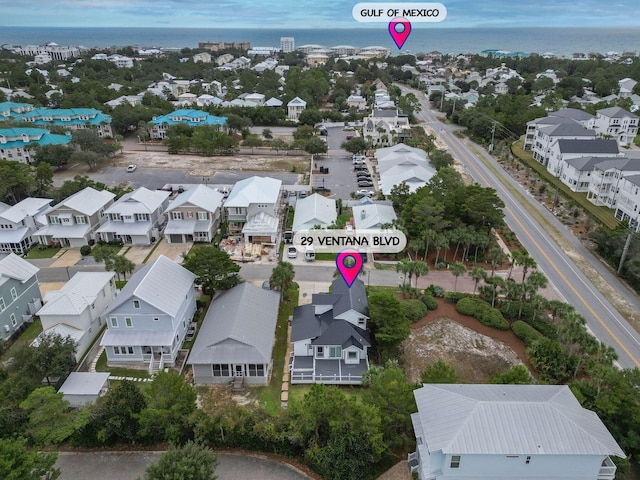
(508, 432)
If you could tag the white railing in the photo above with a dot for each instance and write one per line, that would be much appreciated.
(301, 377)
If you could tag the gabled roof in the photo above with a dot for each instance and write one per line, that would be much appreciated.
(344, 334)
(374, 215)
(354, 298)
(84, 383)
(12, 266)
(573, 114)
(162, 284)
(616, 112)
(87, 201)
(75, 295)
(202, 196)
(588, 146)
(314, 210)
(28, 207)
(238, 327)
(567, 130)
(297, 102)
(585, 164)
(621, 164)
(635, 179)
(254, 190)
(510, 420)
(141, 200)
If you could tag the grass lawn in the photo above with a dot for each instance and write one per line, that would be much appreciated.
(47, 252)
(326, 256)
(26, 338)
(297, 392)
(269, 396)
(101, 366)
(603, 215)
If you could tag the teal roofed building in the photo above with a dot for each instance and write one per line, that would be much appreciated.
(12, 109)
(193, 118)
(71, 118)
(17, 144)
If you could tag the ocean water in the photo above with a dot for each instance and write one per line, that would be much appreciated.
(560, 41)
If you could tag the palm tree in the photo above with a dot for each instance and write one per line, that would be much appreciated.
(419, 269)
(457, 269)
(122, 265)
(527, 262)
(496, 256)
(282, 276)
(477, 274)
(514, 258)
(403, 266)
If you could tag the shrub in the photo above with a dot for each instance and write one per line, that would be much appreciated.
(475, 307)
(85, 250)
(454, 297)
(526, 332)
(430, 301)
(203, 301)
(438, 291)
(414, 310)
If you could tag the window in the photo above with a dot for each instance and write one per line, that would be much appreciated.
(335, 352)
(128, 322)
(156, 319)
(190, 214)
(13, 319)
(202, 215)
(455, 461)
(53, 219)
(528, 460)
(136, 304)
(176, 215)
(116, 350)
(2, 305)
(361, 321)
(320, 352)
(81, 219)
(14, 294)
(352, 355)
(114, 322)
(256, 370)
(220, 370)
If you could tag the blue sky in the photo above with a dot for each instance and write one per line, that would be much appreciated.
(308, 13)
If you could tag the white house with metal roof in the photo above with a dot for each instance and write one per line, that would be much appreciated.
(81, 388)
(194, 215)
(374, 215)
(236, 337)
(19, 222)
(510, 432)
(403, 164)
(73, 222)
(77, 308)
(615, 122)
(628, 206)
(252, 209)
(147, 322)
(136, 218)
(295, 108)
(313, 212)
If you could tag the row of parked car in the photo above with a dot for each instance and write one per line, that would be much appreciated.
(363, 176)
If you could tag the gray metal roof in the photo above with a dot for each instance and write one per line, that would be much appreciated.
(616, 112)
(585, 164)
(343, 333)
(238, 327)
(201, 196)
(254, 190)
(588, 146)
(162, 284)
(635, 179)
(621, 164)
(354, 298)
(87, 201)
(84, 383)
(567, 130)
(510, 419)
(141, 200)
(572, 113)
(314, 210)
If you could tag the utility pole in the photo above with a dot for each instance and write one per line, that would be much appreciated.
(493, 135)
(625, 250)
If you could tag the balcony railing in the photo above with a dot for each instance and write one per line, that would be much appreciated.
(607, 470)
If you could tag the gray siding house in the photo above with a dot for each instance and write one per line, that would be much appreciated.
(236, 337)
(194, 215)
(147, 322)
(20, 294)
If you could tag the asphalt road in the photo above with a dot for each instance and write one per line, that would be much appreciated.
(602, 318)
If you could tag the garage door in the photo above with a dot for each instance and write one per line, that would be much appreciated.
(260, 239)
(176, 238)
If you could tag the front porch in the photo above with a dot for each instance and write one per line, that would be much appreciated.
(327, 371)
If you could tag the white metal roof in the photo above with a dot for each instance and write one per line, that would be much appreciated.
(12, 266)
(84, 383)
(76, 295)
(314, 210)
(254, 190)
(28, 207)
(202, 196)
(372, 216)
(141, 200)
(162, 284)
(510, 419)
(87, 201)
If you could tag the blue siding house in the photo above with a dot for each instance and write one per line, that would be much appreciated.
(20, 294)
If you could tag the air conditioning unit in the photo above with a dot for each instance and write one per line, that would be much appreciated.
(6, 328)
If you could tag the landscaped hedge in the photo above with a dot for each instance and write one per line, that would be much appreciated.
(526, 332)
(414, 310)
(475, 307)
(530, 316)
(454, 297)
(430, 301)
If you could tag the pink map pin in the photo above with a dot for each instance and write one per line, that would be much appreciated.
(399, 28)
(349, 263)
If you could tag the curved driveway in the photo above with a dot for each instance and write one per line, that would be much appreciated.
(131, 466)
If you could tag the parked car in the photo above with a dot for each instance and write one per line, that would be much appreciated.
(363, 175)
(360, 167)
(132, 168)
(358, 161)
(349, 137)
(365, 183)
(292, 252)
(266, 285)
(288, 236)
(365, 193)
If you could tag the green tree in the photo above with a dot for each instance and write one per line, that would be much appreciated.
(50, 421)
(267, 134)
(86, 156)
(439, 372)
(252, 141)
(477, 274)
(170, 405)
(115, 418)
(304, 132)
(355, 145)
(44, 179)
(122, 265)
(389, 390)
(213, 268)
(17, 183)
(193, 461)
(440, 159)
(52, 358)
(516, 375)
(389, 324)
(54, 155)
(310, 116)
(315, 146)
(106, 254)
(282, 276)
(457, 269)
(19, 463)
(550, 360)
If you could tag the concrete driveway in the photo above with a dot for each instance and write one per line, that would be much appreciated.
(131, 466)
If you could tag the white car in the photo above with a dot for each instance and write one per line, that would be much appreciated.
(292, 252)
(365, 193)
(132, 168)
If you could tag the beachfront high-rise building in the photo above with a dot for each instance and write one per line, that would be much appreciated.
(287, 44)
